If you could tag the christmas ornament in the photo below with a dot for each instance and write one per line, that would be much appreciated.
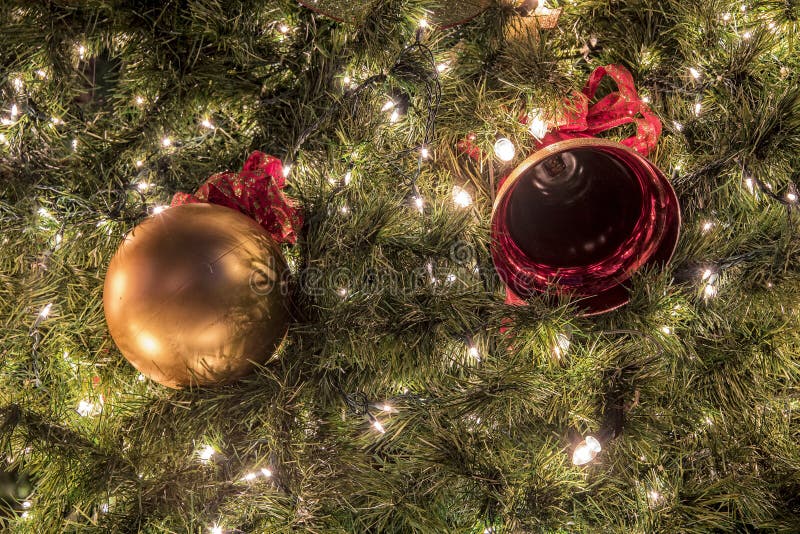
(445, 14)
(196, 295)
(581, 214)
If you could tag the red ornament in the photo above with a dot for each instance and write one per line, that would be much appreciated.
(581, 215)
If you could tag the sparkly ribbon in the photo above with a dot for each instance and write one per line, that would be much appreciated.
(615, 109)
(254, 191)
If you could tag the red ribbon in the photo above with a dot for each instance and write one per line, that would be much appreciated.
(255, 191)
(615, 109)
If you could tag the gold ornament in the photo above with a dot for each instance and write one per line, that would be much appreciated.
(196, 295)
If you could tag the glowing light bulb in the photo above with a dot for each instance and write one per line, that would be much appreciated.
(216, 529)
(394, 117)
(44, 312)
(139, 163)
(419, 203)
(441, 67)
(424, 153)
(694, 72)
(41, 73)
(423, 23)
(205, 123)
(536, 124)
(89, 409)
(139, 100)
(474, 353)
(143, 186)
(387, 408)
(27, 505)
(726, 17)
(678, 126)
(388, 105)
(14, 111)
(159, 209)
(342, 291)
(746, 35)
(81, 51)
(378, 426)
(666, 330)
(17, 83)
(205, 453)
(286, 170)
(646, 99)
(653, 496)
(348, 176)
(504, 149)
(791, 197)
(461, 197)
(166, 142)
(249, 476)
(586, 451)
(266, 472)
(697, 108)
(748, 182)
(710, 291)
(283, 28)
(561, 345)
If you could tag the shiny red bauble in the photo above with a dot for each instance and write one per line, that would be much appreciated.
(579, 217)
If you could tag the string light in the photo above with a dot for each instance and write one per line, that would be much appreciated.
(561, 346)
(14, 111)
(166, 142)
(678, 126)
(81, 51)
(748, 182)
(697, 108)
(378, 426)
(286, 170)
(345, 209)
(537, 125)
(388, 105)
(159, 209)
(504, 149)
(441, 67)
(666, 330)
(41, 73)
(139, 163)
(216, 529)
(419, 203)
(586, 451)
(461, 197)
(694, 72)
(87, 408)
(205, 453)
(707, 226)
(44, 312)
(143, 186)
(726, 17)
(266, 472)
(474, 353)
(791, 197)
(283, 28)
(348, 176)
(424, 153)
(747, 35)
(17, 83)
(342, 291)
(394, 117)
(423, 23)
(387, 408)
(139, 100)
(206, 123)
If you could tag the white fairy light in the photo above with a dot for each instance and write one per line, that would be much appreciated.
(791, 197)
(726, 17)
(139, 100)
(586, 451)
(44, 312)
(450, 278)
(27, 504)
(537, 125)
(57, 239)
(159, 209)
(266, 472)
(441, 67)
(283, 28)
(3, 139)
(25, 515)
(666, 330)
(386, 407)
(206, 452)
(14, 111)
(41, 73)
(461, 197)
(394, 117)
(166, 142)
(286, 170)
(17, 82)
(345, 209)
(474, 353)
(348, 176)
(249, 476)
(81, 51)
(206, 123)
(216, 529)
(419, 203)
(694, 72)
(698, 107)
(746, 35)
(378, 426)
(646, 99)
(743, 8)
(388, 105)
(653, 496)
(423, 22)
(748, 182)
(707, 226)
(424, 152)
(504, 149)
(139, 163)
(346, 80)
(561, 346)
(678, 126)
(143, 186)
(56, 121)
(342, 291)
(88, 408)
(140, 377)
(710, 291)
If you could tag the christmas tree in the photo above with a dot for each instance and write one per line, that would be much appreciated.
(407, 396)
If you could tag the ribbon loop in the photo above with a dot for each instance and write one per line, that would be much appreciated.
(255, 191)
(615, 109)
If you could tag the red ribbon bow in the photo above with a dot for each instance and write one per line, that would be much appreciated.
(256, 192)
(615, 109)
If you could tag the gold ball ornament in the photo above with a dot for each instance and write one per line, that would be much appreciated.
(196, 295)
